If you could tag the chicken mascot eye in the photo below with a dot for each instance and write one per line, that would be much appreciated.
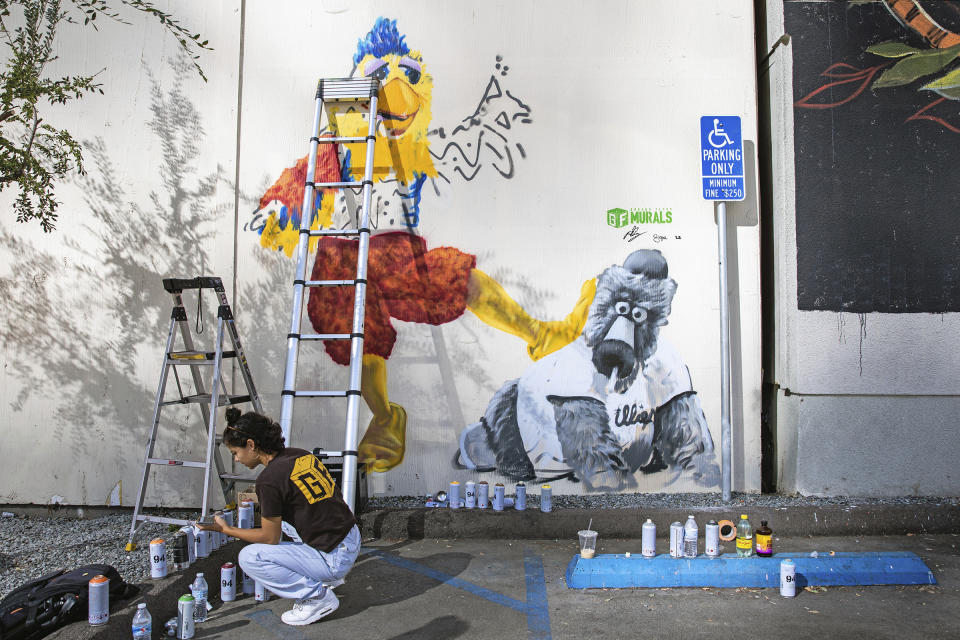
(639, 314)
(381, 72)
(413, 75)
(622, 308)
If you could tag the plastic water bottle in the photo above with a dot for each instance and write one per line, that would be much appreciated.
(690, 534)
(199, 591)
(142, 623)
(744, 537)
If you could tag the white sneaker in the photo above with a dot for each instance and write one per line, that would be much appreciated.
(311, 609)
(333, 585)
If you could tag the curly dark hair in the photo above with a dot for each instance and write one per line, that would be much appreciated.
(265, 433)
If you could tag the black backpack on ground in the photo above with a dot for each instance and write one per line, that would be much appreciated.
(38, 607)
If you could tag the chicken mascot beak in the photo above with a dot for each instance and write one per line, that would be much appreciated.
(399, 105)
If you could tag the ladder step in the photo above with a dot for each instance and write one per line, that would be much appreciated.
(179, 521)
(335, 89)
(176, 463)
(237, 477)
(329, 139)
(196, 357)
(337, 185)
(324, 336)
(329, 283)
(319, 394)
(334, 232)
(204, 398)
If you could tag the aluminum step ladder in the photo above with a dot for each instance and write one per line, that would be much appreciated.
(363, 92)
(218, 396)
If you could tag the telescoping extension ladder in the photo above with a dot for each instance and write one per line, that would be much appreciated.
(362, 91)
(219, 396)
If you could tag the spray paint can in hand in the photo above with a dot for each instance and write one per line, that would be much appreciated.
(498, 493)
(185, 625)
(648, 539)
(158, 558)
(230, 517)
(520, 502)
(691, 534)
(546, 498)
(483, 495)
(218, 538)
(260, 592)
(202, 542)
(676, 540)
(98, 609)
(711, 540)
(453, 495)
(228, 582)
(788, 578)
(245, 514)
(471, 495)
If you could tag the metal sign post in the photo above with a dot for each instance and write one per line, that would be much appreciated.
(721, 162)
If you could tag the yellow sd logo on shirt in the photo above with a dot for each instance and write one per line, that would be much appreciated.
(312, 478)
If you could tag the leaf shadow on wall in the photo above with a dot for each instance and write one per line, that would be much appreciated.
(79, 329)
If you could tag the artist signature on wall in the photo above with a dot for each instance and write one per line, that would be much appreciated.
(634, 232)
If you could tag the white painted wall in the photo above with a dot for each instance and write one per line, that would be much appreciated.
(615, 97)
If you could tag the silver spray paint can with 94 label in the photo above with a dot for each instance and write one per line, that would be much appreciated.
(648, 539)
(676, 540)
(470, 496)
(788, 578)
(158, 558)
(483, 495)
(228, 582)
(498, 493)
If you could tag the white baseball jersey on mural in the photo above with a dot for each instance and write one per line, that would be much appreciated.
(570, 373)
(392, 206)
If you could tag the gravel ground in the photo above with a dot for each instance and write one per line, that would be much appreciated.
(36, 545)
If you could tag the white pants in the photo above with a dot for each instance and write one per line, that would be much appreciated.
(297, 570)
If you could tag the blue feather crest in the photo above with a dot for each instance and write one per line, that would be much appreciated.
(383, 39)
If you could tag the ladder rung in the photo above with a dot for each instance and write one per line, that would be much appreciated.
(320, 394)
(329, 139)
(191, 356)
(324, 336)
(337, 185)
(334, 232)
(237, 476)
(164, 520)
(204, 398)
(176, 463)
(333, 89)
(329, 283)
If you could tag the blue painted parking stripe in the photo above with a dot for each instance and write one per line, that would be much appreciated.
(535, 608)
(538, 613)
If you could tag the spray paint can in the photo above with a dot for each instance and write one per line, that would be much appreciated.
(246, 514)
(676, 540)
(483, 495)
(711, 540)
(230, 516)
(98, 609)
(228, 582)
(520, 502)
(158, 558)
(648, 539)
(178, 551)
(471, 495)
(218, 538)
(260, 592)
(247, 582)
(691, 533)
(498, 493)
(453, 495)
(185, 625)
(203, 543)
(546, 498)
(191, 544)
(788, 578)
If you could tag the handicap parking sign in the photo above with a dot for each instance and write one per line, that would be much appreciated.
(721, 158)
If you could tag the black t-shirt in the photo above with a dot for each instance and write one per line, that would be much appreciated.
(298, 488)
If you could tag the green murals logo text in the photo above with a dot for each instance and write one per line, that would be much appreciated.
(618, 218)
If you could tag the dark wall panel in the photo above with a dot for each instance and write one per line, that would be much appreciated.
(878, 169)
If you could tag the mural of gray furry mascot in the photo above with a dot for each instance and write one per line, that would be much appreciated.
(615, 402)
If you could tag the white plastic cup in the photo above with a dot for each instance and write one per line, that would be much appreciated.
(588, 543)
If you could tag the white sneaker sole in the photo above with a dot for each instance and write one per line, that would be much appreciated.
(325, 611)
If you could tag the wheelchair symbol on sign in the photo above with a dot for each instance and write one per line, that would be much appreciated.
(721, 136)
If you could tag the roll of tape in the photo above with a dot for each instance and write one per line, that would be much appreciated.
(727, 530)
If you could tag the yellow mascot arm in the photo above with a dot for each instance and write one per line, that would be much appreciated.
(557, 334)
